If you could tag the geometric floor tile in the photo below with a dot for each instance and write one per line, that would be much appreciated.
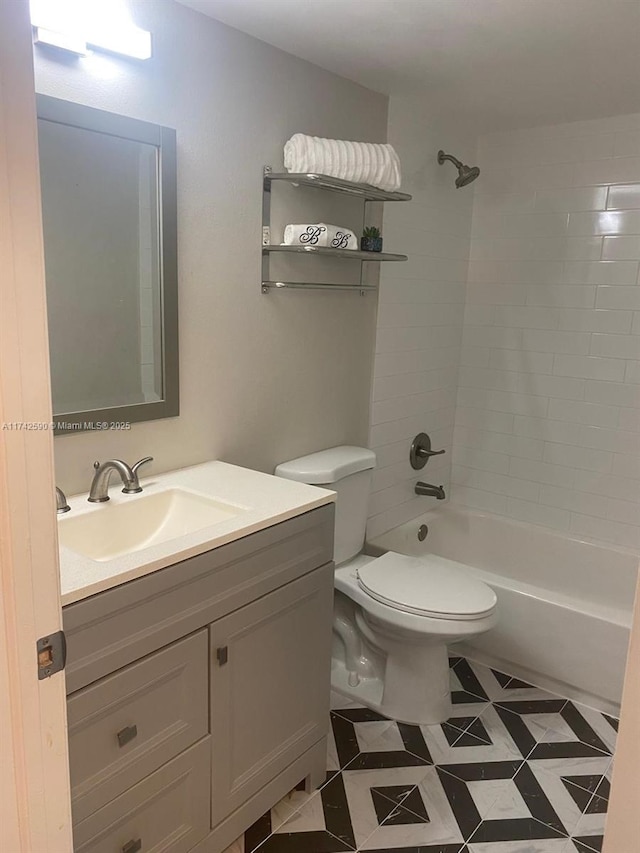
(423, 820)
(515, 769)
(361, 747)
(552, 728)
(521, 812)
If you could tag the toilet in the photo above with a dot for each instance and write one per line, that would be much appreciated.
(394, 616)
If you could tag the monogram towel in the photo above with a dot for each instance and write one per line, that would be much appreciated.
(320, 234)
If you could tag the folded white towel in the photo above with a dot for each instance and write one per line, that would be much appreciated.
(340, 238)
(362, 162)
(305, 235)
(320, 234)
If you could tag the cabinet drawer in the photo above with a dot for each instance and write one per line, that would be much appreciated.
(127, 725)
(107, 631)
(168, 812)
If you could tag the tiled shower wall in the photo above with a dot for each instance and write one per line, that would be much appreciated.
(548, 414)
(420, 312)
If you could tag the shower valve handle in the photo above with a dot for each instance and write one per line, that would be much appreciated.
(425, 454)
(421, 451)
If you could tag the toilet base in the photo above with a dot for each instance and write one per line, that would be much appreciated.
(415, 688)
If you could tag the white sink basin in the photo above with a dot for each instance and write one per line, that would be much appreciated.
(109, 530)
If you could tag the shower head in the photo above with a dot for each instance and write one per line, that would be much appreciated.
(466, 174)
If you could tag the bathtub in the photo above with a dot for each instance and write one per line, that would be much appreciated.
(565, 605)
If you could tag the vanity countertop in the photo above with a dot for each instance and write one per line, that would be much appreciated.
(265, 500)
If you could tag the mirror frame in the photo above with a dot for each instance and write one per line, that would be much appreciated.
(164, 139)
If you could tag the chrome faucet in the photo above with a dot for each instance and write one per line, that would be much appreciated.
(99, 492)
(431, 491)
(61, 502)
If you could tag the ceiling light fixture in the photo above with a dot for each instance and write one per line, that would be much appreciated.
(74, 25)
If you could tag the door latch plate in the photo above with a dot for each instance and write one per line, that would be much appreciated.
(52, 654)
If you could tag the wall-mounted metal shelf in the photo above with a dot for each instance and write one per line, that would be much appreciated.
(336, 185)
(327, 251)
(324, 182)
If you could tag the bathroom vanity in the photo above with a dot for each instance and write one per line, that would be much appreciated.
(198, 691)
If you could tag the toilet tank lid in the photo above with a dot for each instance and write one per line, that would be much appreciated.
(327, 466)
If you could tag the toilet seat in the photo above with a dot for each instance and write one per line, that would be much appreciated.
(426, 587)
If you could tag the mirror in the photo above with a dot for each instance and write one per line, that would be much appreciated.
(109, 220)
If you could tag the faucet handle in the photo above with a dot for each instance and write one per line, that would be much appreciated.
(141, 462)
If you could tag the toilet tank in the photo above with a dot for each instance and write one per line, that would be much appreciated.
(347, 471)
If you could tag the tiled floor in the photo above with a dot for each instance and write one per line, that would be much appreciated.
(515, 770)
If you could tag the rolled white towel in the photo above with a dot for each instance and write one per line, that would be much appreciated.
(306, 235)
(363, 162)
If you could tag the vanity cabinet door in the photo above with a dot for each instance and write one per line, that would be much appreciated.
(270, 675)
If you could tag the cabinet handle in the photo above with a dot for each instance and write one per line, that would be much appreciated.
(132, 846)
(124, 736)
(222, 655)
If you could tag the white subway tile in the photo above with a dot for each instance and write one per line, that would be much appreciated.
(576, 412)
(496, 294)
(612, 394)
(589, 367)
(602, 529)
(384, 521)
(616, 440)
(520, 361)
(475, 356)
(391, 475)
(531, 272)
(526, 317)
(580, 198)
(479, 315)
(632, 373)
(604, 222)
(625, 299)
(627, 465)
(498, 337)
(400, 408)
(624, 197)
(572, 500)
(388, 387)
(569, 343)
(635, 326)
(391, 454)
(535, 513)
(497, 483)
(623, 511)
(600, 272)
(616, 346)
(621, 248)
(416, 338)
(612, 171)
(562, 295)
(545, 429)
(590, 320)
(578, 457)
(485, 460)
(484, 419)
(630, 420)
(627, 144)
(541, 472)
(608, 485)
(477, 499)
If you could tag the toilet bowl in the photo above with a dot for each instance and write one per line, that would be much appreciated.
(394, 658)
(394, 615)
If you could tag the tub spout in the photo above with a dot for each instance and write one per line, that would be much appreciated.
(431, 491)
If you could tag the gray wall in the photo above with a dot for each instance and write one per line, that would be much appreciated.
(263, 378)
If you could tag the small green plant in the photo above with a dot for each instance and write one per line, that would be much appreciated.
(371, 232)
